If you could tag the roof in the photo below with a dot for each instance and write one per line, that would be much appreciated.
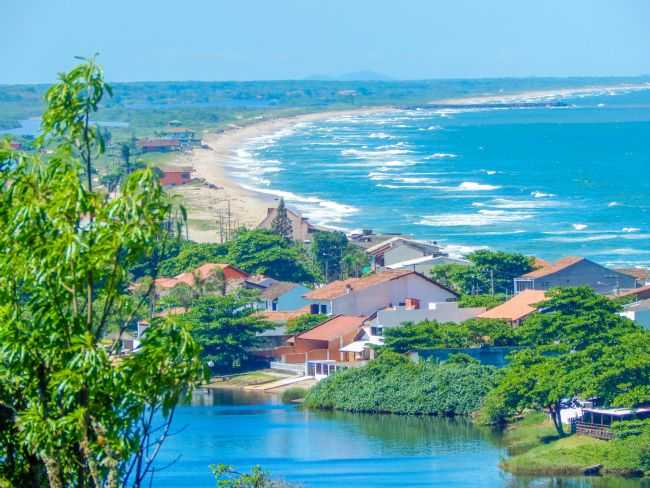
(335, 327)
(640, 274)
(203, 272)
(643, 292)
(158, 142)
(517, 308)
(638, 306)
(356, 346)
(379, 249)
(539, 262)
(279, 288)
(284, 316)
(554, 268)
(425, 259)
(617, 412)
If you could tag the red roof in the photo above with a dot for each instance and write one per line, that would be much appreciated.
(203, 272)
(641, 293)
(337, 326)
(554, 268)
(517, 308)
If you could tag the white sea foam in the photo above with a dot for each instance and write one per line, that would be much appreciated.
(380, 135)
(473, 186)
(506, 203)
(441, 156)
(579, 226)
(540, 194)
(490, 172)
(630, 229)
(411, 179)
(480, 218)
(614, 204)
(380, 154)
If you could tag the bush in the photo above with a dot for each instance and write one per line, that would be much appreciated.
(305, 322)
(294, 393)
(393, 384)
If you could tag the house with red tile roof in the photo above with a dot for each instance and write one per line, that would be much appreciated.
(366, 295)
(233, 277)
(158, 145)
(575, 271)
(517, 308)
(174, 176)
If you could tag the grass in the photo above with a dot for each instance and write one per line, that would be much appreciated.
(537, 450)
(250, 379)
(294, 393)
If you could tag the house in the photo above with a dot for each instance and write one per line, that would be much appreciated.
(641, 275)
(159, 145)
(176, 176)
(575, 271)
(639, 312)
(183, 134)
(424, 264)
(642, 293)
(517, 308)
(281, 296)
(598, 422)
(301, 227)
(323, 342)
(233, 277)
(366, 295)
(399, 249)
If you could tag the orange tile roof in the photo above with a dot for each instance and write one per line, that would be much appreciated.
(335, 327)
(517, 308)
(340, 287)
(640, 274)
(275, 316)
(203, 272)
(554, 268)
(642, 292)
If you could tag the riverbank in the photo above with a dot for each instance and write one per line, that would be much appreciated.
(222, 193)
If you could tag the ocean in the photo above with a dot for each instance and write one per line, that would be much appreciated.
(548, 181)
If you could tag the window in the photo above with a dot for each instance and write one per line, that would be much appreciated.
(377, 331)
(323, 309)
(274, 305)
(313, 309)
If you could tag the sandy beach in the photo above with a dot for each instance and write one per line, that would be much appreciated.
(220, 192)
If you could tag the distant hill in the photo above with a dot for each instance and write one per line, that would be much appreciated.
(365, 75)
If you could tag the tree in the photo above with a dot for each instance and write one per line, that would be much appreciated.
(487, 301)
(226, 328)
(70, 413)
(125, 154)
(328, 249)
(190, 255)
(305, 322)
(355, 261)
(281, 224)
(265, 252)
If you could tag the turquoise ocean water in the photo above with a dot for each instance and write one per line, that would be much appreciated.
(547, 181)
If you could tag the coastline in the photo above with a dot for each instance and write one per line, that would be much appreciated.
(247, 207)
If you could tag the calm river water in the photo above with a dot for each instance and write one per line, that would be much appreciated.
(318, 449)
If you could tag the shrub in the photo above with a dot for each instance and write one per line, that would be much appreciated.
(294, 393)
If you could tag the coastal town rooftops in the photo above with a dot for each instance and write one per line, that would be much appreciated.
(343, 287)
(641, 293)
(517, 308)
(203, 272)
(337, 326)
(553, 268)
(641, 274)
(282, 316)
(379, 249)
(425, 259)
(277, 289)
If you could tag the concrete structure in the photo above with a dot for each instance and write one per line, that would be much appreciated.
(517, 308)
(301, 227)
(639, 312)
(283, 296)
(575, 271)
(423, 265)
(366, 295)
(176, 176)
(400, 249)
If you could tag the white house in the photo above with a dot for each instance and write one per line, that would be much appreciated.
(399, 249)
(424, 264)
(367, 295)
(639, 312)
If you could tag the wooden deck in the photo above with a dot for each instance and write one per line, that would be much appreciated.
(592, 430)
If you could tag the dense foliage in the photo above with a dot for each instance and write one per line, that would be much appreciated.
(393, 384)
(190, 255)
(71, 412)
(487, 301)
(305, 322)
(281, 224)
(430, 334)
(490, 272)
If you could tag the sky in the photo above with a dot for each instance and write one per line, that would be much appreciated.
(146, 40)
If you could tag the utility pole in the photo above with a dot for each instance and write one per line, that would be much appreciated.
(492, 281)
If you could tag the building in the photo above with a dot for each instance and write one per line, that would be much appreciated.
(301, 227)
(639, 312)
(366, 295)
(424, 265)
(323, 342)
(597, 422)
(399, 249)
(641, 275)
(183, 134)
(642, 293)
(159, 145)
(176, 176)
(517, 308)
(575, 271)
(281, 296)
(233, 278)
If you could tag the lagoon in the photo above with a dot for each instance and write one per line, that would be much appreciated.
(318, 449)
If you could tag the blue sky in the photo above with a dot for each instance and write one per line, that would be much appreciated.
(288, 39)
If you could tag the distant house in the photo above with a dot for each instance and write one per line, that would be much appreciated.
(517, 308)
(639, 312)
(302, 228)
(424, 264)
(158, 145)
(282, 296)
(233, 276)
(323, 342)
(575, 271)
(642, 275)
(176, 176)
(400, 249)
(366, 295)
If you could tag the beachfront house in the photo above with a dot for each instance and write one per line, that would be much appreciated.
(425, 264)
(399, 249)
(301, 227)
(283, 296)
(174, 176)
(366, 295)
(575, 271)
(158, 145)
(517, 308)
(598, 422)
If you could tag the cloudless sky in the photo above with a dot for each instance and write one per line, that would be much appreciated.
(287, 39)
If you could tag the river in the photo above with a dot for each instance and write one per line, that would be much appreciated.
(319, 449)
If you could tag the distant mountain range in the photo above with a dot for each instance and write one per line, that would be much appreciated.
(354, 76)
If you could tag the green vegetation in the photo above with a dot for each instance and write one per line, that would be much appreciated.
(487, 301)
(190, 255)
(430, 334)
(251, 378)
(294, 393)
(393, 384)
(227, 477)
(490, 272)
(305, 322)
(71, 412)
(281, 224)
